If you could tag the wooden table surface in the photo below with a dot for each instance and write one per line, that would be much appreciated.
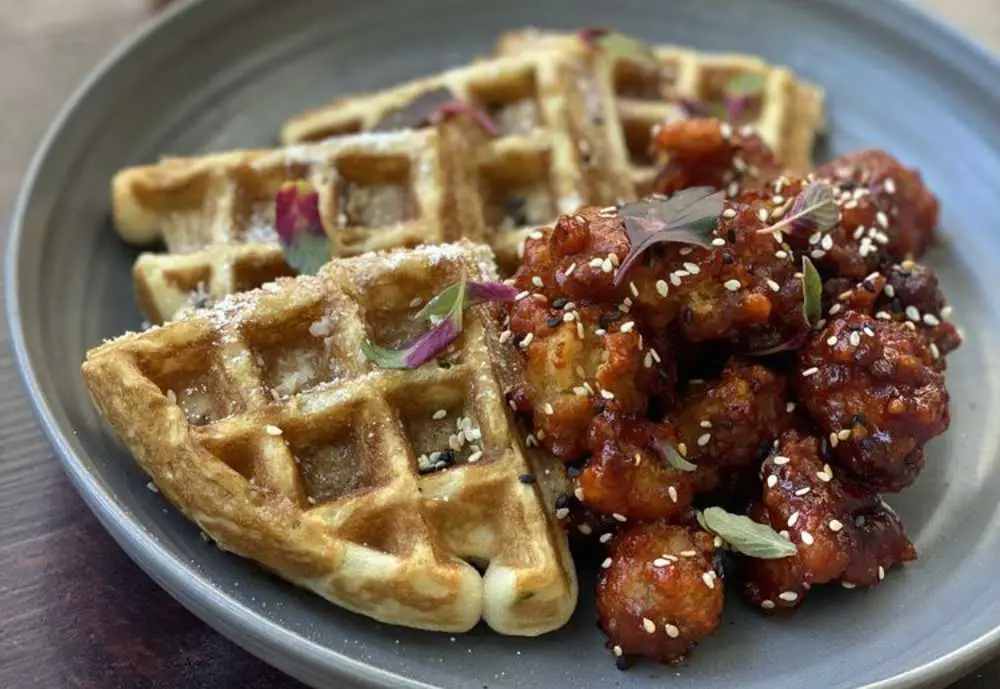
(74, 610)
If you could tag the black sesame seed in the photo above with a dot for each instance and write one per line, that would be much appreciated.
(623, 663)
(554, 321)
(526, 478)
(606, 319)
(573, 470)
(728, 258)
(859, 420)
(731, 236)
(562, 500)
(868, 286)
(515, 209)
(688, 316)
(599, 408)
(848, 185)
(444, 364)
(447, 458)
(559, 302)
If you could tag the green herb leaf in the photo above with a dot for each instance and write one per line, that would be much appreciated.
(814, 210)
(308, 253)
(746, 536)
(687, 217)
(619, 46)
(444, 312)
(746, 84)
(673, 457)
(812, 293)
(428, 345)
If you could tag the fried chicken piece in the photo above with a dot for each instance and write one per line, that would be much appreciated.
(843, 531)
(728, 424)
(707, 152)
(875, 388)
(911, 210)
(910, 294)
(575, 360)
(660, 592)
(629, 476)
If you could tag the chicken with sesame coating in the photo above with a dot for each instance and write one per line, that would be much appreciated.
(659, 592)
(842, 530)
(911, 211)
(711, 153)
(874, 386)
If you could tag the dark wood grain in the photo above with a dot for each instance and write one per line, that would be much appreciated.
(75, 612)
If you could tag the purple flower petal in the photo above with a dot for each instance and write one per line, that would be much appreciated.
(491, 291)
(431, 343)
(296, 211)
(459, 107)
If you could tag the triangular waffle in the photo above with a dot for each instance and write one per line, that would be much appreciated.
(262, 422)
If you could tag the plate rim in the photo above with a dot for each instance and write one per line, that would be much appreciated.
(260, 636)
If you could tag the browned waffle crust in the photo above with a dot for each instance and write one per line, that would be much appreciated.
(262, 422)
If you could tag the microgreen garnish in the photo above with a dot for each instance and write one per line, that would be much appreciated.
(673, 457)
(444, 311)
(739, 92)
(617, 45)
(746, 536)
(814, 210)
(812, 293)
(431, 107)
(687, 217)
(300, 230)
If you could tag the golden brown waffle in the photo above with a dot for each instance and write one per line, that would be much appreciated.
(552, 155)
(789, 115)
(262, 422)
(215, 213)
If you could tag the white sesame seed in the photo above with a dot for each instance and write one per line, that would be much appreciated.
(627, 326)
(675, 279)
(171, 397)
(660, 562)
(661, 288)
(733, 189)
(607, 394)
(607, 266)
(810, 372)
(526, 342)
(596, 262)
(767, 604)
(619, 517)
(931, 320)
(835, 309)
(803, 491)
(881, 572)
(844, 434)
(882, 219)
(579, 330)
(889, 186)
(775, 287)
(827, 242)
(854, 338)
(935, 352)
(834, 440)
(718, 241)
(848, 585)
(672, 492)
(762, 214)
(781, 254)
(688, 553)
(832, 340)
(705, 423)
(793, 519)
(807, 538)
(817, 253)
(772, 481)
(729, 213)
(913, 313)
(524, 294)
(683, 449)
(475, 457)
(272, 430)
(617, 651)
(789, 596)
(790, 407)
(439, 414)
(547, 408)
(781, 460)
(704, 439)
(648, 625)
(835, 525)
(604, 537)
(672, 631)
(732, 285)
(570, 269)
(709, 579)
(946, 311)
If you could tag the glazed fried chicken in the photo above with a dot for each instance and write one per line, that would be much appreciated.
(711, 153)
(875, 388)
(659, 592)
(843, 531)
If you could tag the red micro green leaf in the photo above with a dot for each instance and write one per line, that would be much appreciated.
(814, 210)
(687, 217)
(300, 230)
(459, 107)
(444, 311)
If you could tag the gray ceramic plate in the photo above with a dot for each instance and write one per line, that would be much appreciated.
(222, 74)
